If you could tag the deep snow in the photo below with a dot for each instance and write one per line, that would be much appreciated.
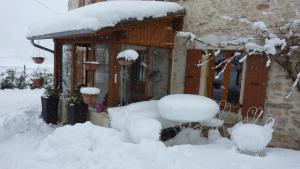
(26, 142)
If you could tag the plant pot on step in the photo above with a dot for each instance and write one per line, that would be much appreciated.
(90, 95)
(37, 82)
(77, 113)
(50, 109)
(38, 60)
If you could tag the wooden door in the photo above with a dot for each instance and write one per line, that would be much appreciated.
(139, 78)
(255, 83)
(192, 71)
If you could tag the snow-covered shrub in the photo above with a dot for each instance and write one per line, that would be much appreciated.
(9, 82)
(21, 82)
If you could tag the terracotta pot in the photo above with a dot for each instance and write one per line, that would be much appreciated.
(90, 99)
(124, 62)
(38, 82)
(90, 66)
(38, 60)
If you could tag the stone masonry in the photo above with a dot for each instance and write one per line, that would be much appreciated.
(220, 17)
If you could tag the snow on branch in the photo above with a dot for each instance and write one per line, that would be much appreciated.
(192, 37)
(293, 86)
(273, 45)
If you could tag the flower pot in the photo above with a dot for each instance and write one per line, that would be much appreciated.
(50, 109)
(124, 62)
(38, 60)
(77, 113)
(91, 66)
(89, 99)
(38, 82)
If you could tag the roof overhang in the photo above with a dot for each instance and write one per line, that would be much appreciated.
(78, 17)
(61, 34)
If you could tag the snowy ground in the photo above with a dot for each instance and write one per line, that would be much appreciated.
(26, 142)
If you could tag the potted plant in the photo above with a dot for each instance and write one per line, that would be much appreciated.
(126, 57)
(77, 110)
(50, 106)
(124, 62)
(91, 66)
(38, 59)
(37, 79)
(90, 95)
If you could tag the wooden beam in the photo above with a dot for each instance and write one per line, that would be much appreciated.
(57, 66)
(114, 73)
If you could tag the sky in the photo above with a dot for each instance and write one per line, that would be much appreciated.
(16, 16)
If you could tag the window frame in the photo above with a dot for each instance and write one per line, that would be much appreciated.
(210, 78)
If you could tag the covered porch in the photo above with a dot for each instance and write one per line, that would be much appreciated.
(150, 34)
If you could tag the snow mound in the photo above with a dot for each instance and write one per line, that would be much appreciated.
(139, 120)
(128, 54)
(144, 129)
(70, 140)
(251, 138)
(187, 108)
(93, 17)
(214, 135)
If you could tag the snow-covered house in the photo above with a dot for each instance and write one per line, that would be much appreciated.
(170, 64)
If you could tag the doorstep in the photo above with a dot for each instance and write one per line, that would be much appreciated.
(99, 119)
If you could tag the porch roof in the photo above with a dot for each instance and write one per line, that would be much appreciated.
(92, 18)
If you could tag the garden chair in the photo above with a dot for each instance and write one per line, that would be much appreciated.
(219, 120)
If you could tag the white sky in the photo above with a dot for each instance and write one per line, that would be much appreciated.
(15, 18)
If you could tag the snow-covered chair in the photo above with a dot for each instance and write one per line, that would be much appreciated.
(251, 138)
(253, 115)
(219, 120)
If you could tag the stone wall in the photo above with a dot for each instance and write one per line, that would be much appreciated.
(220, 17)
(286, 111)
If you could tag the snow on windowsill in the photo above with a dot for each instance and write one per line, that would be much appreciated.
(92, 62)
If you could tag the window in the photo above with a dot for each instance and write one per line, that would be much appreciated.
(159, 73)
(224, 80)
(101, 77)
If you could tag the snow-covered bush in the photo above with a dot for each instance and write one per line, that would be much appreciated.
(21, 82)
(9, 82)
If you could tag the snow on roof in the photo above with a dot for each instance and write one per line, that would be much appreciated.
(91, 18)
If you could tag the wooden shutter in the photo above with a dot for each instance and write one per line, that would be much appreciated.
(255, 83)
(192, 71)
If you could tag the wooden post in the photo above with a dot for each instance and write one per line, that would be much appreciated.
(114, 72)
(57, 66)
